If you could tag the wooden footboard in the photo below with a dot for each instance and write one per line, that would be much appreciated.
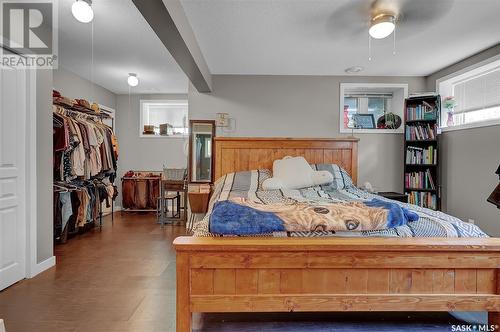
(336, 274)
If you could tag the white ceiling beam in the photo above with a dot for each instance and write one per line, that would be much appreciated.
(169, 22)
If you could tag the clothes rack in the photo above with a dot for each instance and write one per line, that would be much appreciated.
(85, 163)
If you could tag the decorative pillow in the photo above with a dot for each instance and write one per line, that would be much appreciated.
(272, 184)
(341, 179)
(295, 173)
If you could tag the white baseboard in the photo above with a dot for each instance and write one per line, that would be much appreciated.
(42, 266)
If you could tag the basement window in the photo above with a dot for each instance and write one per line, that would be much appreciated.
(477, 95)
(163, 118)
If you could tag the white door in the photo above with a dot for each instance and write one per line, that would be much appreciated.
(13, 128)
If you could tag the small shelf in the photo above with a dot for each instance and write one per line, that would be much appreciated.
(422, 141)
(421, 120)
(418, 99)
(421, 165)
(420, 189)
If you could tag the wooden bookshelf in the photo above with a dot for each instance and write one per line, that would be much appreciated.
(421, 151)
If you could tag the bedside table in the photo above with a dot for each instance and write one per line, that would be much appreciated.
(198, 204)
(394, 195)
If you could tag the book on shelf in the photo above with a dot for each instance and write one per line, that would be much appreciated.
(419, 156)
(423, 111)
(423, 199)
(421, 132)
(419, 180)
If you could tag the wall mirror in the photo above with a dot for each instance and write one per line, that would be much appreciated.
(372, 107)
(201, 139)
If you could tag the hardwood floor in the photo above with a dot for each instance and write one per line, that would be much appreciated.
(123, 279)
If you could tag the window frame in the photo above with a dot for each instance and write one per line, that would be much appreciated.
(468, 72)
(351, 86)
(166, 101)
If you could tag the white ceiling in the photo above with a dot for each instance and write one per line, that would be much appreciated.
(123, 43)
(324, 37)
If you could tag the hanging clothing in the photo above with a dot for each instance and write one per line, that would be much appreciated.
(84, 148)
(66, 207)
(85, 163)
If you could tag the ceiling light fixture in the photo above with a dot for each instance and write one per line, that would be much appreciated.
(354, 69)
(82, 10)
(132, 79)
(382, 26)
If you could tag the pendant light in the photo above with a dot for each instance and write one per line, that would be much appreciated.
(83, 11)
(132, 80)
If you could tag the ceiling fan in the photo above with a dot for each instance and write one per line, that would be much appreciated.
(359, 16)
(380, 18)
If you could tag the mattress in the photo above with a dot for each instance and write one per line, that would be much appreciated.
(248, 185)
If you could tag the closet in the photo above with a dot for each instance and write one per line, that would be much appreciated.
(85, 151)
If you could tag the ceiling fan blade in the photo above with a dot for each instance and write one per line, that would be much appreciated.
(423, 11)
(350, 19)
(341, 20)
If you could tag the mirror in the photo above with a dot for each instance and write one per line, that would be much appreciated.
(201, 138)
(372, 107)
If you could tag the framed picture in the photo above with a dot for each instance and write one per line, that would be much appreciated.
(364, 121)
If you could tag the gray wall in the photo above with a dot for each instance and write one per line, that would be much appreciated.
(74, 86)
(303, 106)
(44, 216)
(469, 159)
(144, 153)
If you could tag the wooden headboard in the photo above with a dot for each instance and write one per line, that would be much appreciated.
(233, 154)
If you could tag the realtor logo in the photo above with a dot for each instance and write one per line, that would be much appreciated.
(29, 33)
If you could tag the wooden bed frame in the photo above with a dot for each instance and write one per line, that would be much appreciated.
(329, 274)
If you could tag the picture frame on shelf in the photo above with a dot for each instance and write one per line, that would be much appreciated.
(364, 121)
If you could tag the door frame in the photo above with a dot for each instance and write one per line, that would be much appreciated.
(32, 266)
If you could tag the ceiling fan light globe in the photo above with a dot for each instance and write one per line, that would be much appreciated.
(132, 80)
(82, 11)
(382, 30)
(382, 26)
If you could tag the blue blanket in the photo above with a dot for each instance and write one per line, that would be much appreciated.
(244, 217)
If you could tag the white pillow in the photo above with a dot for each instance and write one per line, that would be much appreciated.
(272, 184)
(321, 177)
(295, 173)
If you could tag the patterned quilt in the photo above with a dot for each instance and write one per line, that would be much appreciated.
(247, 186)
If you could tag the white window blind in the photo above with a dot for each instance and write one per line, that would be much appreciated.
(478, 93)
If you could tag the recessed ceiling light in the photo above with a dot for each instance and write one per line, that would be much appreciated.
(132, 79)
(82, 11)
(354, 69)
(382, 26)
